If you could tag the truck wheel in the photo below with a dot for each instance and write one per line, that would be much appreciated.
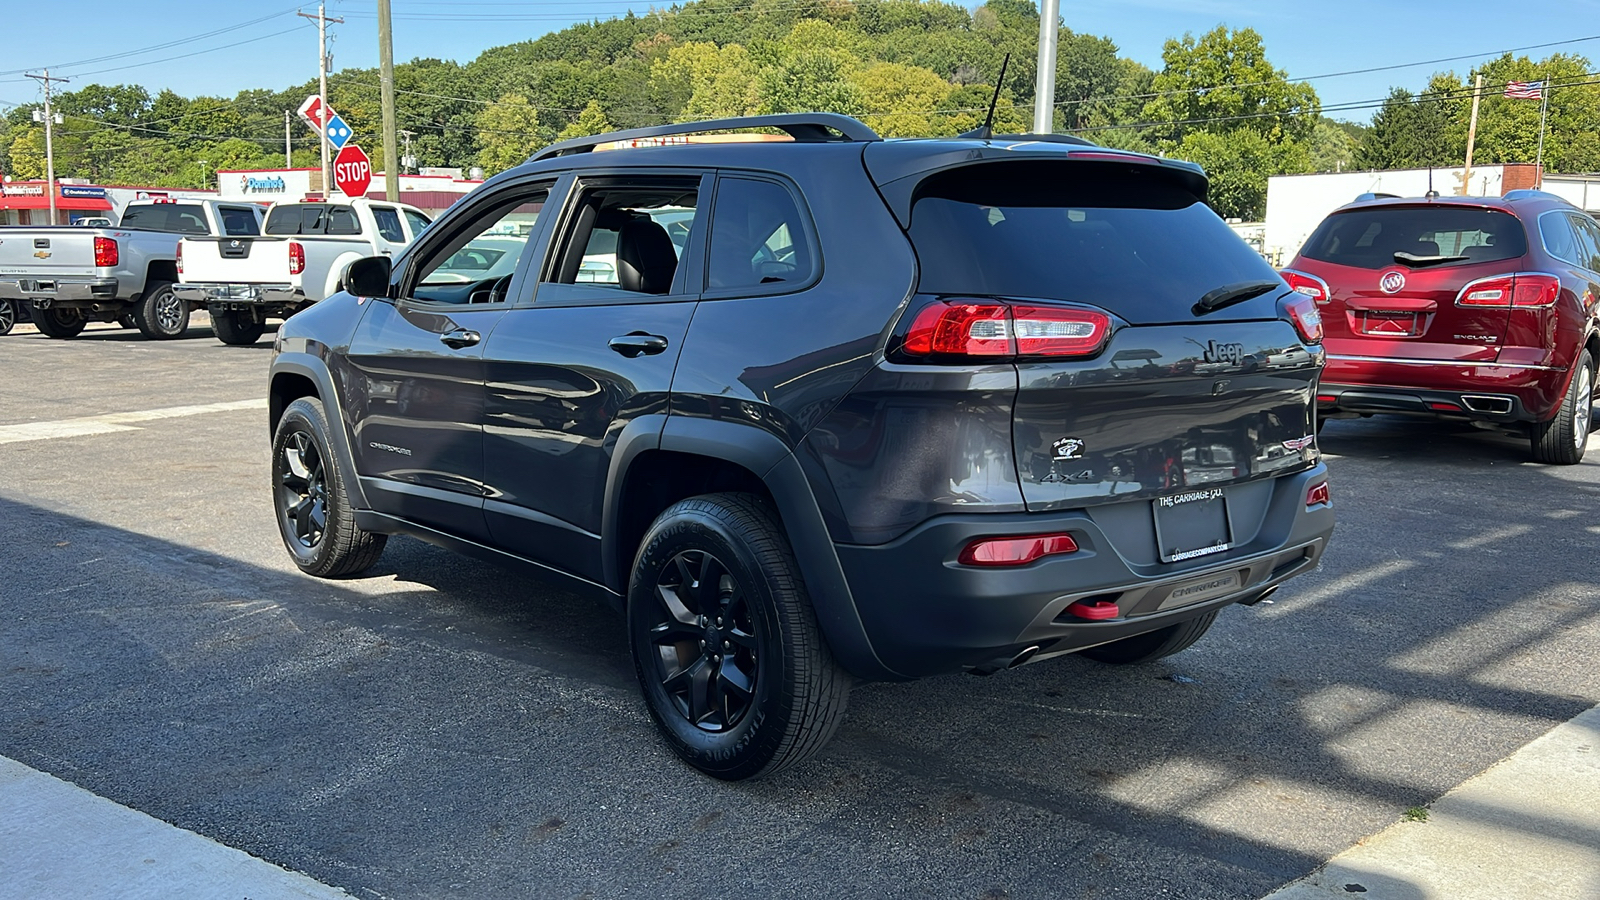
(1561, 441)
(727, 648)
(160, 315)
(235, 327)
(1143, 648)
(126, 321)
(315, 519)
(57, 322)
(8, 316)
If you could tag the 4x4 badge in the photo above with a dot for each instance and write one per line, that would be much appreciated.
(1392, 281)
(1068, 448)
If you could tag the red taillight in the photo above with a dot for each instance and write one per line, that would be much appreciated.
(1310, 285)
(1523, 289)
(105, 252)
(297, 258)
(1318, 495)
(1305, 316)
(1016, 551)
(952, 328)
(180, 257)
(1327, 398)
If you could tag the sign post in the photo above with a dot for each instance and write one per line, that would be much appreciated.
(352, 171)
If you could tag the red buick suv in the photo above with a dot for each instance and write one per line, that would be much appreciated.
(1479, 309)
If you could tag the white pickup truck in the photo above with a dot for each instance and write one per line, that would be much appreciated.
(71, 276)
(297, 261)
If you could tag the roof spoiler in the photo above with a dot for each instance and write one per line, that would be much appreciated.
(803, 127)
(1374, 195)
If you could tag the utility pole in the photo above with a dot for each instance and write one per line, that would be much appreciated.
(288, 149)
(407, 161)
(1044, 85)
(322, 91)
(391, 153)
(1472, 136)
(49, 145)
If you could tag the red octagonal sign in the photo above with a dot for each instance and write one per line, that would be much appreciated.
(352, 171)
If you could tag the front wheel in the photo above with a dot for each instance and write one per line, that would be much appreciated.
(160, 314)
(727, 648)
(59, 322)
(1153, 645)
(315, 518)
(1562, 440)
(235, 327)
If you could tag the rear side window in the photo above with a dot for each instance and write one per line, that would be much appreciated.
(1434, 235)
(757, 237)
(388, 221)
(236, 220)
(1133, 243)
(310, 218)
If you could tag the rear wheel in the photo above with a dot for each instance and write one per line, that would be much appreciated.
(725, 643)
(160, 314)
(315, 518)
(1143, 648)
(8, 316)
(236, 327)
(126, 321)
(1562, 440)
(58, 322)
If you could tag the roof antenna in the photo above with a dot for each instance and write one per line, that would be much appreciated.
(1431, 194)
(986, 130)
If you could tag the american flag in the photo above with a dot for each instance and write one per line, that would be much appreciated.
(1525, 90)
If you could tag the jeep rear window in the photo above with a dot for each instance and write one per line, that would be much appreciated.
(1136, 244)
(1369, 238)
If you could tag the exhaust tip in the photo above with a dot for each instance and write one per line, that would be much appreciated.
(1486, 404)
(1026, 654)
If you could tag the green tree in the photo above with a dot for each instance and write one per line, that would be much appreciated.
(508, 133)
(1223, 83)
(715, 82)
(592, 120)
(904, 99)
(1331, 148)
(1238, 165)
(810, 69)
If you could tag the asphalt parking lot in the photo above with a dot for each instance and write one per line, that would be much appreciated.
(441, 728)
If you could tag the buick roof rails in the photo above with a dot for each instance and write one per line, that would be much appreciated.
(1375, 195)
(803, 127)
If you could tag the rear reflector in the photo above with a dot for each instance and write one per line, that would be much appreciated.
(952, 329)
(1327, 398)
(1447, 407)
(1522, 289)
(1016, 551)
(1318, 495)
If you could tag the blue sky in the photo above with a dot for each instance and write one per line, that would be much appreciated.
(1305, 39)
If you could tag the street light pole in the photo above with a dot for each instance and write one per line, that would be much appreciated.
(49, 143)
(1044, 85)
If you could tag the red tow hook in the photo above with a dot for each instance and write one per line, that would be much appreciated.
(1098, 611)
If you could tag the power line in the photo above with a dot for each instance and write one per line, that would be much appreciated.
(154, 47)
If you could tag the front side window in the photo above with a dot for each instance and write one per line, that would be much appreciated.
(417, 221)
(757, 237)
(476, 264)
(1588, 242)
(626, 238)
(388, 221)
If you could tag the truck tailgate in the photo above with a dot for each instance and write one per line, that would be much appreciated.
(47, 252)
(235, 260)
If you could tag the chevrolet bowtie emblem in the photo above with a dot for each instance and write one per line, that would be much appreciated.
(42, 254)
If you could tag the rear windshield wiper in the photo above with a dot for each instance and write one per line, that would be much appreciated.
(1229, 294)
(1400, 256)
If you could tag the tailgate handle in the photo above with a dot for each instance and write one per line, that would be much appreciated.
(1392, 304)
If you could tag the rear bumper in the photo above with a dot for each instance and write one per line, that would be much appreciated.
(1493, 392)
(241, 296)
(47, 292)
(925, 613)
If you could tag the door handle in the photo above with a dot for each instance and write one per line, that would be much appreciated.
(637, 343)
(459, 338)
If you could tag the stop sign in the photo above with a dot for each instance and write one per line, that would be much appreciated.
(352, 171)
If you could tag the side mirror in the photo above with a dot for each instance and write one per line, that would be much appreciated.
(368, 277)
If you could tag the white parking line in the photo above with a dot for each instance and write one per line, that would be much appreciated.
(59, 840)
(112, 422)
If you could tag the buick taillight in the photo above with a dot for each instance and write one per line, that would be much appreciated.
(1309, 285)
(105, 252)
(1307, 319)
(1016, 551)
(180, 257)
(1318, 495)
(953, 329)
(297, 258)
(1523, 289)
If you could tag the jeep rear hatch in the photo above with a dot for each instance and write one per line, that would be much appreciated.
(1151, 343)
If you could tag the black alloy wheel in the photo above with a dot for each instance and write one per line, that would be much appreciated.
(60, 322)
(705, 641)
(315, 517)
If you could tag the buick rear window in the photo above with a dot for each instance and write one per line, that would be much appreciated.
(1131, 243)
(1434, 235)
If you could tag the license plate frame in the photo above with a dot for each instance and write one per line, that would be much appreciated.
(1192, 524)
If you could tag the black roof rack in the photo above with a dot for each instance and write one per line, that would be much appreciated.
(804, 127)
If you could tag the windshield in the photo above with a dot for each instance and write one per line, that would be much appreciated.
(1433, 235)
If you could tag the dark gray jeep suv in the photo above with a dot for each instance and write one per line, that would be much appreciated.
(821, 408)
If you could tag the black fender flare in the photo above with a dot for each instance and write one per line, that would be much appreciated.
(771, 459)
(308, 366)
